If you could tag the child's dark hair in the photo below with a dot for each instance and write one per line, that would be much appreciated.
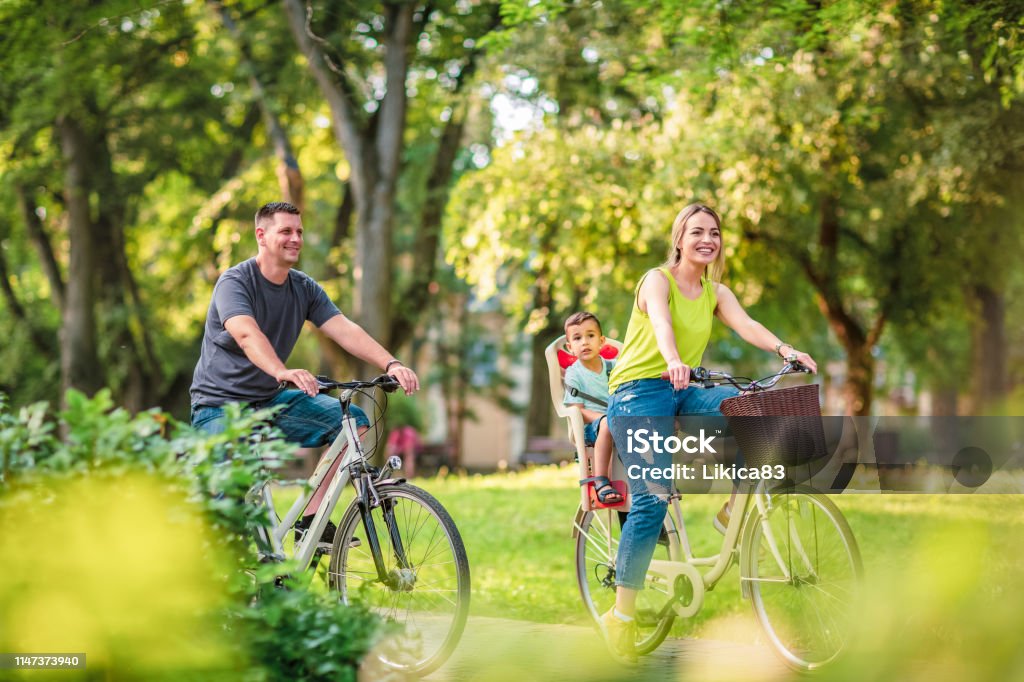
(580, 318)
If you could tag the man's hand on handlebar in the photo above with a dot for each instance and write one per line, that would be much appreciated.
(406, 377)
(302, 379)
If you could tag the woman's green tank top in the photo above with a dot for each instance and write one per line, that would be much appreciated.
(691, 322)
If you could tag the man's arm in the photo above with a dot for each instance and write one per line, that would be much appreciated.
(254, 343)
(354, 339)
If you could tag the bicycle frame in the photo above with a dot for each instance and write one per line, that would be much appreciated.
(720, 563)
(790, 536)
(688, 566)
(271, 540)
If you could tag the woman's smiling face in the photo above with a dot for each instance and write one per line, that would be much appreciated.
(701, 240)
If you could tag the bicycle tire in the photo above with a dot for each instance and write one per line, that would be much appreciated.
(595, 576)
(429, 600)
(807, 615)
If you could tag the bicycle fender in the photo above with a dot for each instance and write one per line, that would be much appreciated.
(580, 514)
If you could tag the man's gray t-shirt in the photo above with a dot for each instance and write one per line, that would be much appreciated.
(224, 374)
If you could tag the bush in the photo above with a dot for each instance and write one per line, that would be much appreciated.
(147, 492)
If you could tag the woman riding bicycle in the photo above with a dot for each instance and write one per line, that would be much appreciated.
(668, 330)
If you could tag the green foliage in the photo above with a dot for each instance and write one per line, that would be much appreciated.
(291, 633)
(118, 566)
(864, 158)
(298, 634)
(23, 436)
(404, 410)
(559, 208)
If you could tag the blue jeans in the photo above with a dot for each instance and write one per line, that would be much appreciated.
(310, 421)
(654, 405)
(590, 431)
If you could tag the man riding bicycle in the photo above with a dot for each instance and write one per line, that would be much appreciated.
(256, 313)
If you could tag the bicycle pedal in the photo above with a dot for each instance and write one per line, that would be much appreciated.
(271, 558)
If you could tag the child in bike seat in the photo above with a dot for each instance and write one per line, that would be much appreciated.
(586, 385)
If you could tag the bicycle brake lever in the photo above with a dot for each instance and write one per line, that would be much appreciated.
(387, 383)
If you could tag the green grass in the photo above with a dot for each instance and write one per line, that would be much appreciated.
(517, 528)
(943, 572)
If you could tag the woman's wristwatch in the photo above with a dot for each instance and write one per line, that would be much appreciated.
(392, 362)
(780, 345)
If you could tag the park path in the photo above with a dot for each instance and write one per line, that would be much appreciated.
(495, 650)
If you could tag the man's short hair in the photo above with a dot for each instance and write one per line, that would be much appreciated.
(267, 211)
(581, 317)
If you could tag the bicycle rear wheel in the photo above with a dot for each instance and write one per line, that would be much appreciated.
(597, 544)
(425, 590)
(803, 568)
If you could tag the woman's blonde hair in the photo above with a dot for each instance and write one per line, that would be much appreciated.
(717, 268)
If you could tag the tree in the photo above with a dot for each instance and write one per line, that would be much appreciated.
(556, 197)
(862, 132)
(363, 63)
(553, 226)
(90, 97)
(842, 141)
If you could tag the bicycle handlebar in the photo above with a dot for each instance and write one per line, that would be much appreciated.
(709, 378)
(385, 382)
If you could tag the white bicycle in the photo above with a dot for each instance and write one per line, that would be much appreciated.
(396, 549)
(799, 562)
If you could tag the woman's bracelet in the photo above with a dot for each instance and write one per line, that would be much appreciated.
(778, 348)
(399, 362)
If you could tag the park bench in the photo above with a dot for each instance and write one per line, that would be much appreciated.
(433, 456)
(545, 450)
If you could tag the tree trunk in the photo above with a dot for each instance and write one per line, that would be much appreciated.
(40, 339)
(80, 364)
(417, 297)
(539, 412)
(538, 415)
(458, 437)
(37, 235)
(860, 374)
(289, 175)
(373, 153)
(131, 354)
(855, 337)
(343, 218)
(989, 348)
(373, 267)
(944, 401)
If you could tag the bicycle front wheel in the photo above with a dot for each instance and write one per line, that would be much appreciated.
(597, 545)
(803, 568)
(421, 587)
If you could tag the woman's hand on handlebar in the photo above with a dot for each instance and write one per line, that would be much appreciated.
(804, 359)
(678, 373)
(406, 378)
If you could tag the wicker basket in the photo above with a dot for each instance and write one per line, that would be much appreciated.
(777, 427)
